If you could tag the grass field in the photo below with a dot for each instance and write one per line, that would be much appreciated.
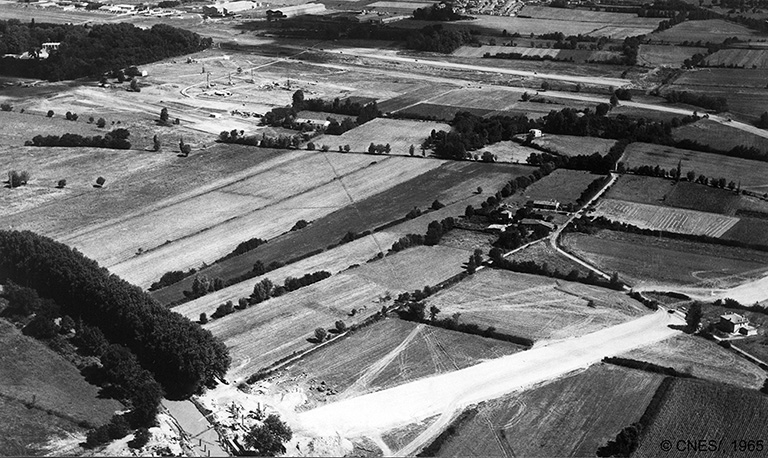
(399, 134)
(725, 78)
(42, 395)
(569, 417)
(543, 253)
(535, 307)
(583, 15)
(413, 97)
(750, 173)
(665, 218)
(525, 26)
(509, 151)
(451, 182)
(441, 112)
(640, 258)
(712, 30)
(703, 358)
(574, 55)
(743, 58)
(749, 230)
(392, 352)
(665, 55)
(477, 98)
(744, 89)
(564, 186)
(570, 145)
(700, 409)
(719, 136)
(468, 240)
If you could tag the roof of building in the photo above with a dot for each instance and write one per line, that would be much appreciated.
(733, 318)
(546, 202)
(537, 222)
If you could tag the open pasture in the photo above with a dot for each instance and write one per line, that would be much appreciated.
(568, 417)
(665, 55)
(392, 352)
(641, 259)
(398, 133)
(509, 151)
(414, 268)
(664, 218)
(564, 186)
(526, 26)
(42, 394)
(719, 136)
(722, 79)
(477, 98)
(703, 358)
(571, 145)
(584, 15)
(413, 97)
(749, 230)
(441, 112)
(712, 30)
(696, 408)
(739, 58)
(20, 127)
(751, 174)
(535, 307)
(450, 183)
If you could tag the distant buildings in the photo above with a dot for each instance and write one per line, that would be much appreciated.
(535, 133)
(545, 204)
(226, 8)
(296, 10)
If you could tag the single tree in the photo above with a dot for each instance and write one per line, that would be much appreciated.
(545, 85)
(50, 113)
(412, 150)
(156, 145)
(101, 122)
(164, 116)
(135, 86)
(347, 148)
(479, 190)
(433, 311)
(320, 334)
(268, 438)
(298, 100)
(61, 184)
(100, 182)
(614, 100)
(693, 317)
(340, 326)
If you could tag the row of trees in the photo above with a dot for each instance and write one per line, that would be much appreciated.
(91, 50)
(116, 139)
(437, 12)
(435, 232)
(532, 267)
(182, 357)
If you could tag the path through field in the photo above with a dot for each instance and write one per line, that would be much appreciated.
(447, 394)
(747, 293)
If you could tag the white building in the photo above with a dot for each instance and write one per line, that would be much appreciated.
(226, 8)
(296, 10)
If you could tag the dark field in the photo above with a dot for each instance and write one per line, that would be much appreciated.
(749, 230)
(441, 112)
(448, 183)
(719, 136)
(640, 258)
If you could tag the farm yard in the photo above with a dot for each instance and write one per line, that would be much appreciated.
(535, 307)
(702, 358)
(639, 258)
(449, 183)
(573, 416)
(399, 134)
(389, 353)
(43, 396)
(721, 411)
(668, 219)
(751, 174)
(571, 145)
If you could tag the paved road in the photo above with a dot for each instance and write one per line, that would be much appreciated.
(446, 394)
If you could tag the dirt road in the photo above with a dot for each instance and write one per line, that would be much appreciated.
(447, 394)
(747, 293)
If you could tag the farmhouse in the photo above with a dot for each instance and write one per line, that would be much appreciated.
(312, 118)
(497, 228)
(545, 204)
(733, 323)
(535, 133)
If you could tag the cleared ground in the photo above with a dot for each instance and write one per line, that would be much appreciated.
(399, 134)
(390, 353)
(43, 396)
(664, 218)
(641, 259)
(569, 417)
(751, 174)
(570, 145)
(535, 307)
(703, 358)
(720, 411)
(450, 183)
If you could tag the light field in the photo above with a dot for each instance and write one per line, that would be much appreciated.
(712, 30)
(581, 15)
(400, 5)
(571, 145)
(535, 307)
(569, 417)
(665, 55)
(703, 358)
(744, 58)
(509, 151)
(477, 98)
(400, 134)
(664, 218)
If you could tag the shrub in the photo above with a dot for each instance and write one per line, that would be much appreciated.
(50, 113)
(140, 438)
(101, 122)
(203, 318)
(61, 184)
(6, 107)
(100, 181)
(320, 334)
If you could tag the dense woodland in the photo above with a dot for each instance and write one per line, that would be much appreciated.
(90, 50)
(182, 357)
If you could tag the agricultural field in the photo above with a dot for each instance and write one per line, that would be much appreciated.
(526, 26)
(720, 411)
(739, 58)
(750, 173)
(413, 97)
(509, 151)
(583, 15)
(710, 30)
(564, 186)
(389, 353)
(451, 182)
(571, 145)
(477, 98)
(574, 55)
(744, 89)
(666, 55)
(702, 358)
(749, 230)
(441, 112)
(573, 416)
(399, 134)
(468, 240)
(664, 218)
(43, 396)
(535, 307)
(642, 259)
(719, 136)
(543, 253)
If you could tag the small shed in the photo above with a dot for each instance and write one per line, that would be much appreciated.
(535, 133)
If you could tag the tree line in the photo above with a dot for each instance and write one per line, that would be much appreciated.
(116, 139)
(443, 11)
(181, 356)
(532, 267)
(91, 50)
